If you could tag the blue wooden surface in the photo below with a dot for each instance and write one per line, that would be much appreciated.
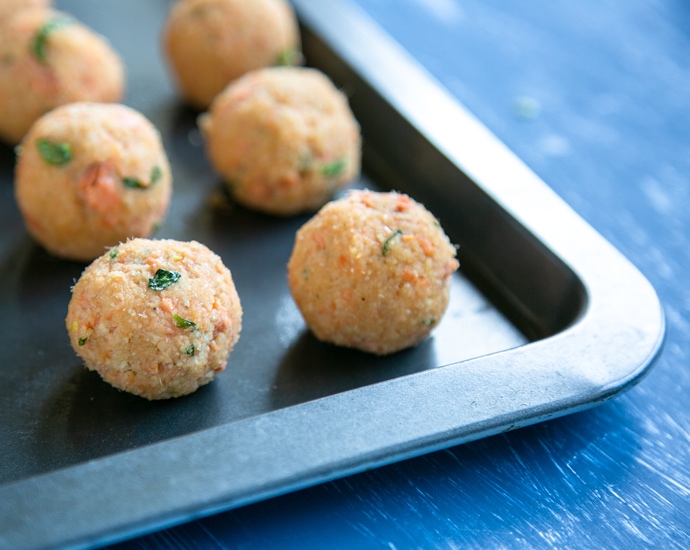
(593, 96)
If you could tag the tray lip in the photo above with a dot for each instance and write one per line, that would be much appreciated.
(35, 512)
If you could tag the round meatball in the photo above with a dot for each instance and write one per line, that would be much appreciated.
(209, 43)
(90, 175)
(48, 59)
(284, 139)
(8, 8)
(156, 318)
(372, 271)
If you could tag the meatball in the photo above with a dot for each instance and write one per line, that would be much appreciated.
(48, 59)
(156, 318)
(372, 271)
(90, 175)
(284, 139)
(209, 43)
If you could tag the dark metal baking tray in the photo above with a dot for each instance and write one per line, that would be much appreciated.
(546, 317)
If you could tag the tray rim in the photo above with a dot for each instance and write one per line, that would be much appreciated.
(202, 473)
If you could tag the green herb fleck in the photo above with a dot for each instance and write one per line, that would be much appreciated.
(334, 169)
(385, 249)
(39, 41)
(183, 323)
(156, 174)
(289, 57)
(113, 253)
(428, 322)
(56, 153)
(163, 279)
(133, 183)
(83, 340)
(190, 349)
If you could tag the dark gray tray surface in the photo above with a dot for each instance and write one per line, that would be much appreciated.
(545, 318)
(71, 416)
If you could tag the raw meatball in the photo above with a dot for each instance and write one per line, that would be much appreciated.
(90, 175)
(209, 43)
(284, 139)
(49, 59)
(8, 8)
(372, 271)
(156, 318)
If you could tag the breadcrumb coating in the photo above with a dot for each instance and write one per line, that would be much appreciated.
(372, 271)
(156, 318)
(210, 43)
(284, 139)
(91, 175)
(47, 59)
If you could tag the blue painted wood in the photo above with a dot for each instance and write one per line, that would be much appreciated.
(593, 96)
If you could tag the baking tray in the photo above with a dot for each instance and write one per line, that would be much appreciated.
(546, 317)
